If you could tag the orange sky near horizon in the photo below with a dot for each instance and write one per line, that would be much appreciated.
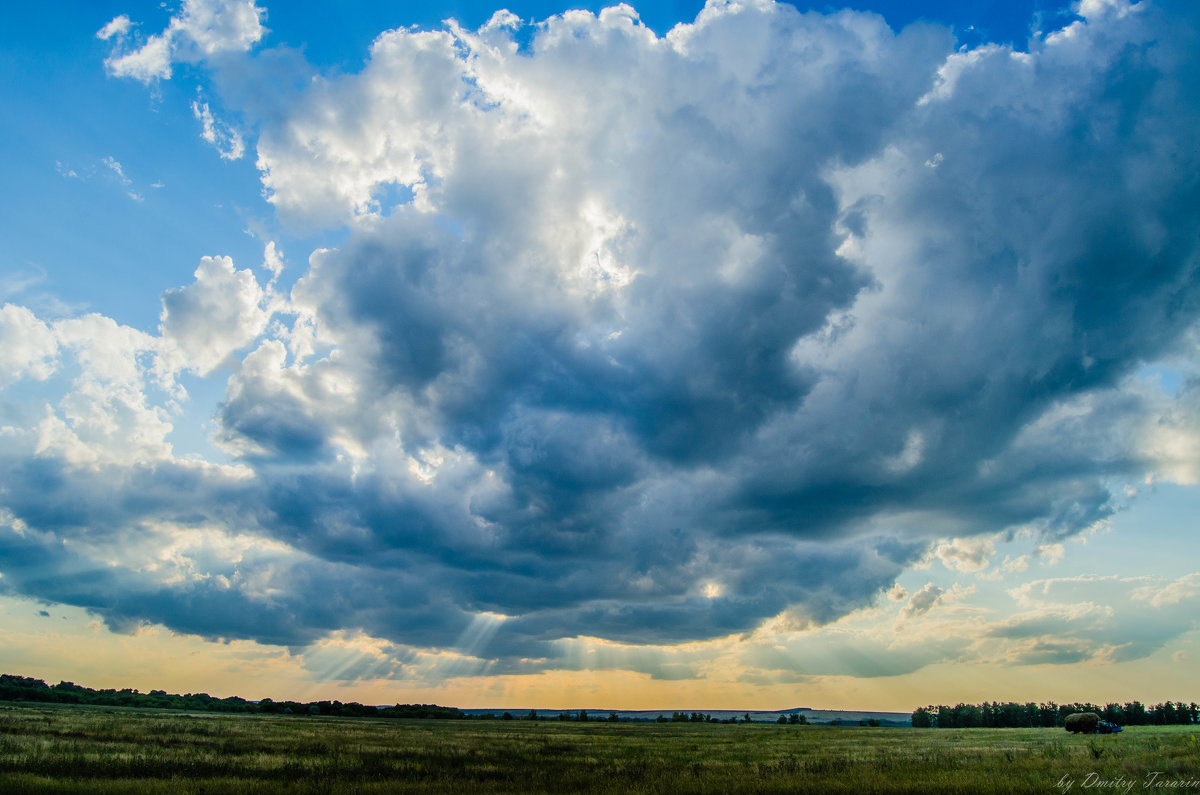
(70, 645)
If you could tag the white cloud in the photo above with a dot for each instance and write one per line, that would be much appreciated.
(113, 165)
(326, 163)
(922, 601)
(114, 403)
(227, 140)
(200, 30)
(150, 61)
(215, 26)
(105, 417)
(214, 316)
(118, 26)
(1172, 593)
(1170, 436)
(1051, 553)
(1102, 618)
(28, 348)
(272, 259)
(967, 554)
(1095, 9)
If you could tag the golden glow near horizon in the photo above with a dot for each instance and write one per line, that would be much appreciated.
(49, 647)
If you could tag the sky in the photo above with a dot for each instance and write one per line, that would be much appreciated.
(737, 355)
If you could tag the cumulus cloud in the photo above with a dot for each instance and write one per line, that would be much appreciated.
(106, 416)
(1063, 621)
(1115, 619)
(651, 340)
(922, 601)
(1103, 618)
(118, 26)
(1185, 588)
(112, 390)
(28, 347)
(214, 316)
(1048, 554)
(966, 554)
(1171, 436)
(202, 29)
(272, 259)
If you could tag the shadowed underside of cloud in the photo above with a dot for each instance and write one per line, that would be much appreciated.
(674, 334)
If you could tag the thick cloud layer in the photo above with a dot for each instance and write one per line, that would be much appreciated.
(644, 339)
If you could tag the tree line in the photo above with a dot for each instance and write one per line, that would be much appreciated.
(701, 717)
(581, 715)
(676, 717)
(1011, 715)
(24, 688)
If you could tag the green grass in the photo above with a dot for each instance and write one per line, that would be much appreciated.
(109, 749)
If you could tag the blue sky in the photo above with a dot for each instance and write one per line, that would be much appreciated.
(647, 358)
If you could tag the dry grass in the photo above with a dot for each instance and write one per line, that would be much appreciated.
(105, 749)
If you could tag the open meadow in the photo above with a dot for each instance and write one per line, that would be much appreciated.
(56, 748)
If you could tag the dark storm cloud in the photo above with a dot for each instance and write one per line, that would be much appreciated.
(211, 583)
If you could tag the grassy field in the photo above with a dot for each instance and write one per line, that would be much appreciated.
(107, 749)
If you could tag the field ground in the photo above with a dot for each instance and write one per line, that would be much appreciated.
(53, 748)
